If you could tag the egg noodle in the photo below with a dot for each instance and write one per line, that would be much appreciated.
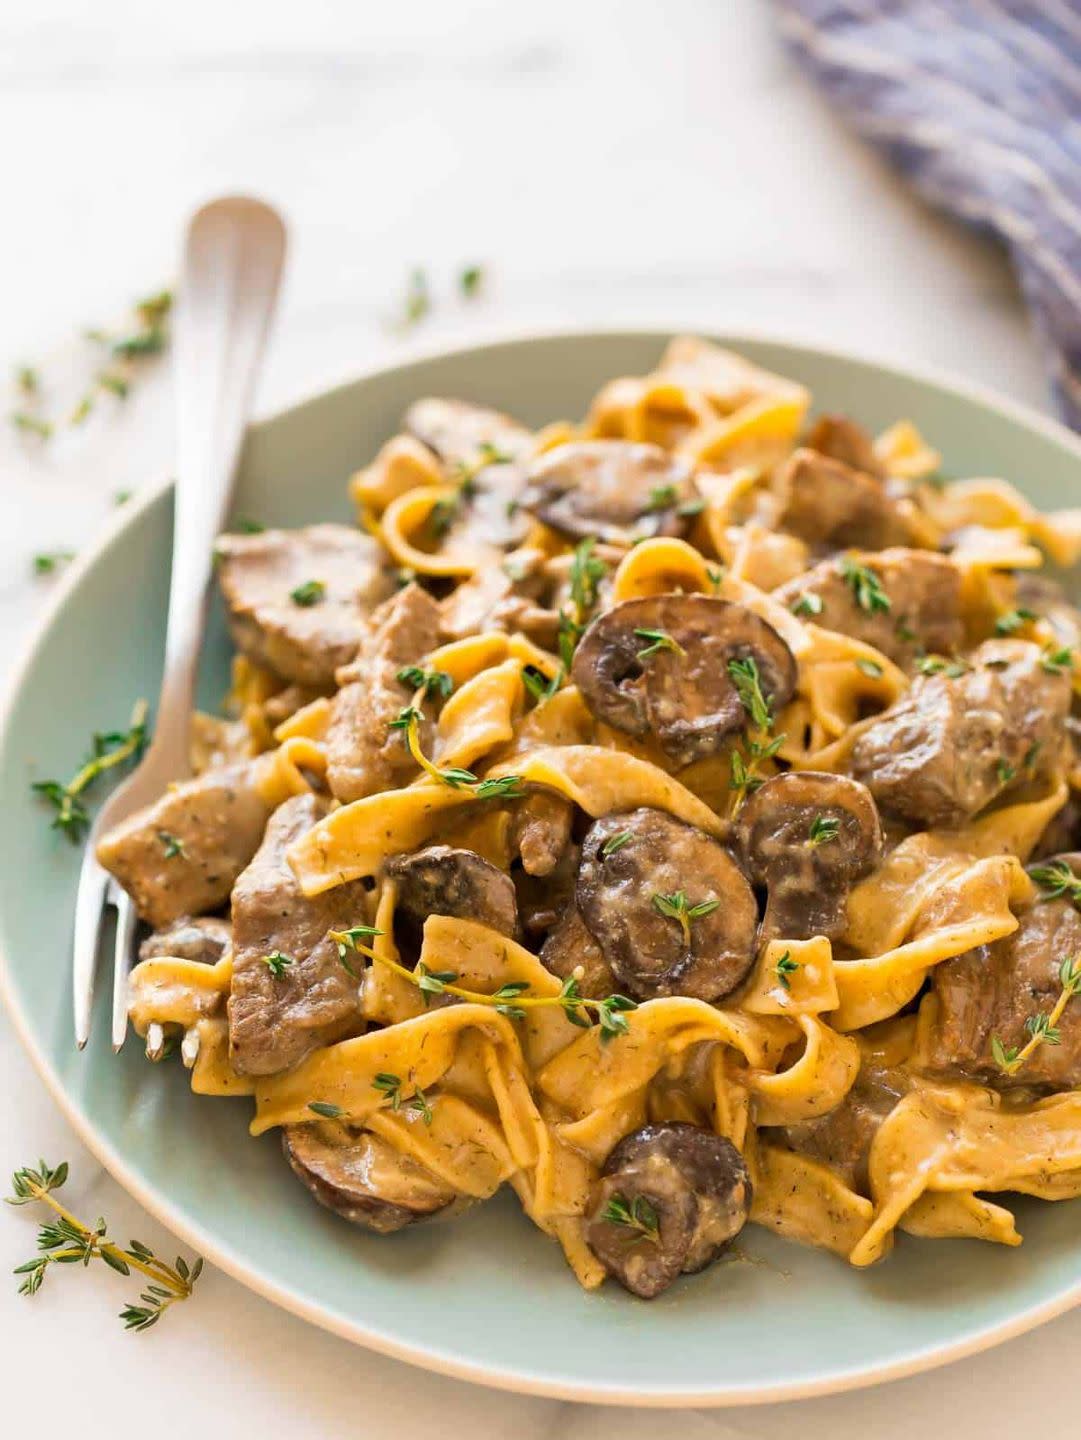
(490, 1092)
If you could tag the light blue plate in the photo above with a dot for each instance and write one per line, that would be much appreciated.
(484, 1297)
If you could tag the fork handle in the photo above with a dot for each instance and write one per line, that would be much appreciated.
(230, 275)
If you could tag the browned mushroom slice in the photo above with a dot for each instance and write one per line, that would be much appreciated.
(962, 735)
(362, 1178)
(842, 439)
(570, 948)
(670, 1198)
(204, 938)
(611, 489)
(298, 599)
(826, 502)
(460, 433)
(668, 906)
(660, 666)
(442, 880)
(906, 603)
(808, 837)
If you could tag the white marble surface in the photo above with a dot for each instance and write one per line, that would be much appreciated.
(611, 163)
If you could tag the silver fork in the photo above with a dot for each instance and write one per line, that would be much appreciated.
(230, 273)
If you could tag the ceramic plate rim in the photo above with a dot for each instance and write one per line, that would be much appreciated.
(174, 1218)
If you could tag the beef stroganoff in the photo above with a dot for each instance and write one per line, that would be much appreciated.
(670, 815)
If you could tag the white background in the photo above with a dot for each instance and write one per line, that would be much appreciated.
(610, 164)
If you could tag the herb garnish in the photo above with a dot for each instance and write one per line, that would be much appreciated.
(715, 576)
(541, 686)
(587, 571)
(936, 665)
(1056, 661)
(470, 279)
(391, 1086)
(615, 843)
(110, 748)
(871, 668)
(31, 424)
(1042, 1028)
(418, 298)
(785, 968)
(661, 497)
(426, 681)
(807, 603)
(1014, 620)
(502, 787)
(67, 1241)
(513, 998)
(824, 828)
(277, 963)
(639, 1216)
(1005, 771)
(347, 940)
(172, 845)
(659, 640)
(326, 1109)
(676, 907)
(760, 745)
(50, 561)
(1057, 879)
(310, 593)
(865, 586)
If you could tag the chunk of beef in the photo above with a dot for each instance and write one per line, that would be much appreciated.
(997, 990)
(514, 597)
(922, 609)
(828, 504)
(364, 756)
(298, 599)
(541, 830)
(842, 1138)
(955, 742)
(204, 938)
(842, 439)
(182, 855)
(281, 1012)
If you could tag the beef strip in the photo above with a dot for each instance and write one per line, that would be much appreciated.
(924, 594)
(276, 1020)
(828, 503)
(541, 830)
(995, 989)
(954, 743)
(364, 756)
(204, 938)
(842, 1138)
(181, 855)
(842, 439)
(514, 597)
(261, 576)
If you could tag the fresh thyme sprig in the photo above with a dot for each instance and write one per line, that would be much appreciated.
(658, 640)
(110, 748)
(428, 682)
(615, 843)
(785, 968)
(760, 744)
(541, 686)
(47, 562)
(662, 497)
(586, 573)
(67, 1241)
(347, 940)
(865, 585)
(676, 906)
(1055, 879)
(1042, 1028)
(939, 665)
(391, 1086)
(277, 963)
(511, 999)
(639, 1216)
(172, 845)
(1014, 620)
(824, 828)
(1057, 660)
(502, 787)
(806, 603)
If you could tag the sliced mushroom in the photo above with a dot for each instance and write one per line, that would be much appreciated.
(611, 489)
(679, 689)
(362, 1178)
(808, 836)
(643, 877)
(442, 880)
(458, 432)
(570, 948)
(670, 1198)
(204, 938)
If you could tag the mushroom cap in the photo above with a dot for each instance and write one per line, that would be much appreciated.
(614, 490)
(684, 697)
(362, 1178)
(650, 952)
(694, 1183)
(444, 880)
(808, 836)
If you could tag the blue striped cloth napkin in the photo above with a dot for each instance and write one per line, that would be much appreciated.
(978, 102)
